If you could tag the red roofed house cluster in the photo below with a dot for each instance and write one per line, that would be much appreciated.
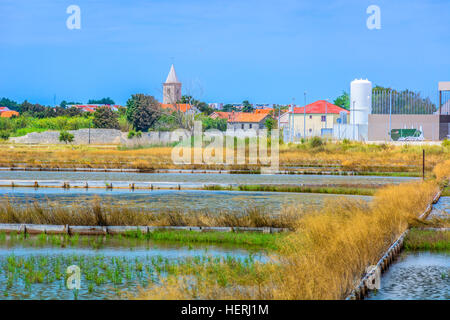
(93, 107)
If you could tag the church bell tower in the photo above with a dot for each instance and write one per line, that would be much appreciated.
(171, 88)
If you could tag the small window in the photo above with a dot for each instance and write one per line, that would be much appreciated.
(310, 130)
(250, 125)
(324, 118)
(310, 117)
(242, 126)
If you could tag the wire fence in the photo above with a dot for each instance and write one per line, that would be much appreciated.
(388, 101)
(444, 100)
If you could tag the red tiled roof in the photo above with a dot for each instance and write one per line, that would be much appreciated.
(183, 107)
(265, 111)
(9, 114)
(246, 117)
(219, 114)
(320, 106)
(93, 107)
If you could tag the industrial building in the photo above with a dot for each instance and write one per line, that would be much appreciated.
(376, 114)
(408, 116)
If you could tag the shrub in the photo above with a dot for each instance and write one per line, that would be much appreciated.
(131, 134)
(316, 142)
(66, 137)
(446, 143)
(4, 134)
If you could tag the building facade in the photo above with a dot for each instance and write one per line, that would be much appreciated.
(315, 119)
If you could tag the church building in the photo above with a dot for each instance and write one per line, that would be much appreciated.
(171, 88)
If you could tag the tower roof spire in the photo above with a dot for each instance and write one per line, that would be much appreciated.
(172, 76)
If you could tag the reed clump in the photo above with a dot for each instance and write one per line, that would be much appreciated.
(326, 255)
(94, 213)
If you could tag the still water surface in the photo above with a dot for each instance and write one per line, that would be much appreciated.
(173, 199)
(416, 276)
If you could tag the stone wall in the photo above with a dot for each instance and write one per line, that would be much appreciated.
(95, 136)
(116, 137)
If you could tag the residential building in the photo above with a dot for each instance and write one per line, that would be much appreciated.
(315, 119)
(93, 107)
(246, 120)
(182, 107)
(5, 112)
(219, 114)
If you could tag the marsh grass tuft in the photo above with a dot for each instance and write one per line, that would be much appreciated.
(94, 213)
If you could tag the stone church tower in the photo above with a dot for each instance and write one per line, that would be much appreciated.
(171, 88)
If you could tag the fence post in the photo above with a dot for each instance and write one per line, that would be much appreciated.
(423, 164)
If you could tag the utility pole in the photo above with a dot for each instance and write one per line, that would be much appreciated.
(89, 135)
(304, 117)
(390, 115)
(354, 120)
(292, 120)
(279, 113)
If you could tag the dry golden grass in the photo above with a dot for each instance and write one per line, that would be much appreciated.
(327, 255)
(442, 171)
(324, 258)
(351, 156)
(93, 213)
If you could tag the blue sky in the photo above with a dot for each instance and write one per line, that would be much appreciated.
(224, 51)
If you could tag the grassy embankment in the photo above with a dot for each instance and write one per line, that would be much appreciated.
(326, 255)
(328, 157)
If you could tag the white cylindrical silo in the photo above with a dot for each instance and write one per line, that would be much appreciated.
(360, 101)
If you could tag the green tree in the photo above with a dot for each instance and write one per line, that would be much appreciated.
(5, 102)
(66, 137)
(209, 123)
(64, 103)
(203, 107)
(107, 100)
(247, 107)
(142, 111)
(269, 123)
(343, 101)
(105, 118)
(228, 108)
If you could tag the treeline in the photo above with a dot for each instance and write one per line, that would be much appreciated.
(40, 111)
(142, 113)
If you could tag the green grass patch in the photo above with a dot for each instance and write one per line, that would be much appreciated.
(131, 239)
(432, 240)
(446, 192)
(297, 189)
(256, 239)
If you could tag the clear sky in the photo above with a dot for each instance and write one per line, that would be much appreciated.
(223, 51)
